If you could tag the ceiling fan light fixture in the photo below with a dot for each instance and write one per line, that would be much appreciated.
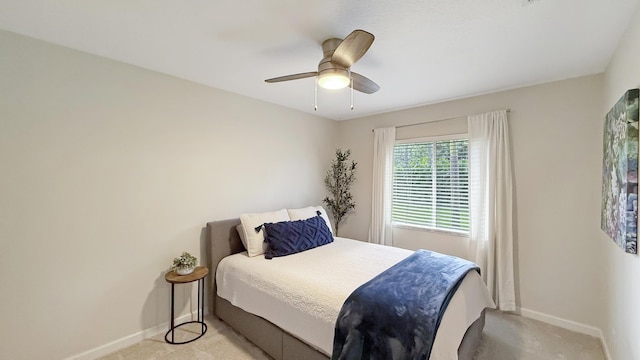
(334, 79)
(334, 69)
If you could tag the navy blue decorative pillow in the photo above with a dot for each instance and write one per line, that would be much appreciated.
(290, 237)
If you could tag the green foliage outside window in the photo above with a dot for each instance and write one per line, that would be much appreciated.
(430, 184)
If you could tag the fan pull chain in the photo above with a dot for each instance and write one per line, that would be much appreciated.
(315, 96)
(351, 89)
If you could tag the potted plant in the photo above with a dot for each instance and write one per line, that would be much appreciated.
(338, 181)
(184, 264)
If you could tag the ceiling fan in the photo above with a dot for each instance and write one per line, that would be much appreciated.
(334, 70)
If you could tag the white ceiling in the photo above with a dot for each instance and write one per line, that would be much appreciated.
(425, 51)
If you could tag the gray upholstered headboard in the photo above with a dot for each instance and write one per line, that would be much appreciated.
(222, 240)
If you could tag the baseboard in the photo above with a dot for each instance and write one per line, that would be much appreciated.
(130, 340)
(569, 325)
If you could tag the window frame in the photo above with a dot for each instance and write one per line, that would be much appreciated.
(402, 225)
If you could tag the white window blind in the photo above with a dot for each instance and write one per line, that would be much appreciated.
(431, 184)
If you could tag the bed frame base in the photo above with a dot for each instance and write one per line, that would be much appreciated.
(270, 338)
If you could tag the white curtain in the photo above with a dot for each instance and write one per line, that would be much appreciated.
(491, 204)
(383, 142)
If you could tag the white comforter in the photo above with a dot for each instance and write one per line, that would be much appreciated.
(303, 293)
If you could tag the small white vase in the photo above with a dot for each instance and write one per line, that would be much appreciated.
(184, 271)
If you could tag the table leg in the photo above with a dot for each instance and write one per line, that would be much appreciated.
(201, 305)
(172, 329)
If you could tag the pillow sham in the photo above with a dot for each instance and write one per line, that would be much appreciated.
(309, 212)
(255, 244)
(290, 237)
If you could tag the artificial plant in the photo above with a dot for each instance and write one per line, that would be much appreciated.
(338, 181)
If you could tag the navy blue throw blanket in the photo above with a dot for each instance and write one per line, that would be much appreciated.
(396, 314)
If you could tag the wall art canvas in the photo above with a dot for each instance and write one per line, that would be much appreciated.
(619, 218)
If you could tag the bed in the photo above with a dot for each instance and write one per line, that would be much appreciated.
(276, 335)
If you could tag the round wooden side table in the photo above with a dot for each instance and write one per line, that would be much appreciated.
(198, 275)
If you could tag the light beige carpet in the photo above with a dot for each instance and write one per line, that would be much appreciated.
(513, 337)
(219, 342)
(505, 337)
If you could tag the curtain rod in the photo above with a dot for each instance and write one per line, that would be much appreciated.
(434, 121)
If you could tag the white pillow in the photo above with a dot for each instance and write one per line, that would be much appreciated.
(255, 244)
(309, 212)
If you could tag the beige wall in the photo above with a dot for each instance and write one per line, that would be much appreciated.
(622, 271)
(557, 145)
(108, 172)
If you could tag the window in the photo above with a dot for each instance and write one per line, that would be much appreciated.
(431, 183)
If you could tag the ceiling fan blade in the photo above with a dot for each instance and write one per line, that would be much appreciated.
(292, 77)
(352, 48)
(363, 84)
